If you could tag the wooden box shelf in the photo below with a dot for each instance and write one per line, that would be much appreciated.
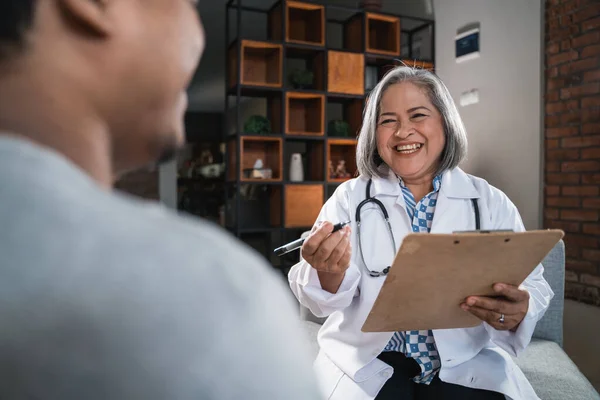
(300, 58)
(345, 72)
(260, 208)
(268, 149)
(302, 205)
(381, 36)
(261, 64)
(304, 114)
(305, 23)
(338, 150)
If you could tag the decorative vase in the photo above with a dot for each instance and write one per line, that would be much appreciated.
(296, 168)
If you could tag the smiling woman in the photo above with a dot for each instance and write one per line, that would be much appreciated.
(410, 146)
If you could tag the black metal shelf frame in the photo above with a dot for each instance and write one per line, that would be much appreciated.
(293, 50)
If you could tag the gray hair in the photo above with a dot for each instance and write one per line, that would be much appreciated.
(369, 162)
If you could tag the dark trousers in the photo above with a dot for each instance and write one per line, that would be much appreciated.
(401, 386)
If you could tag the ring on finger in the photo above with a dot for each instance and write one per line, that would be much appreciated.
(501, 319)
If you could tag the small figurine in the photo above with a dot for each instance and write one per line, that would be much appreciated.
(331, 170)
(340, 170)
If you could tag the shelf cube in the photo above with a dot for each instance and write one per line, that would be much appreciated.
(313, 157)
(261, 64)
(381, 36)
(253, 148)
(341, 150)
(305, 114)
(304, 59)
(305, 23)
(345, 72)
(302, 205)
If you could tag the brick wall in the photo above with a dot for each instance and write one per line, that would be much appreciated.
(142, 183)
(572, 139)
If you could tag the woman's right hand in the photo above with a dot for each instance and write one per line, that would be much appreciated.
(328, 253)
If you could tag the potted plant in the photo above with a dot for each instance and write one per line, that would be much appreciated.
(338, 127)
(257, 124)
(301, 79)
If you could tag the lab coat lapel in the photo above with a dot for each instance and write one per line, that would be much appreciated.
(456, 188)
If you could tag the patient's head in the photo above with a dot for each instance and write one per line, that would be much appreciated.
(123, 65)
(411, 126)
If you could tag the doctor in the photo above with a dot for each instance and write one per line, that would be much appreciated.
(410, 145)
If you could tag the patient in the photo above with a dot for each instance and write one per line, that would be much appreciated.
(103, 296)
(410, 145)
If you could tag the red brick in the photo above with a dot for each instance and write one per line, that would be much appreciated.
(570, 117)
(586, 13)
(551, 213)
(587, 154)
(586, 39)
(571, 276)
(573, 252)
(590, 51)
(562, 155)
(563, 202)
(590, 115)
(580, 65)
(580, 191)
(591, 229)
(590, 179)
(569, 227)
(555, 107)
(592, 203)
(590, 102)
(591, 24)
(565, 44)
(555, 83)
(591, 76)
(581, 141)
(562, 132)
(580, 266)
(578, 91)
(560, 32)
(591, 255)
(579, 215)
(552, 190)
(551, 121)
(553, 48)
(566, 179)
(581, 166)
(552, 96)
(581, 240)
(552, 143)
(552, 167)
(591, 129)
(552, 72)
(563, 57)
(589, 279)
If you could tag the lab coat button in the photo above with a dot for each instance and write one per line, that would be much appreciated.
(386, 374)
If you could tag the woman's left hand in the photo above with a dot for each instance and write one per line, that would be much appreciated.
(513, 305)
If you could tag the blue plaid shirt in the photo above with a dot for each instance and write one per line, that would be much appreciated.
(419, 345)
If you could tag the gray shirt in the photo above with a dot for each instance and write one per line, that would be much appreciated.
(103, 296)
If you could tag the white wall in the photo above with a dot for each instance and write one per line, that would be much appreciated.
(505, 127)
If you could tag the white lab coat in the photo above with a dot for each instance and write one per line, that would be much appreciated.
(347, 365)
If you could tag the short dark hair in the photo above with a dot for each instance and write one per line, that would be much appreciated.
(16, 17)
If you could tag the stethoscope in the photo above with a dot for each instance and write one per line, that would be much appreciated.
(370, 199)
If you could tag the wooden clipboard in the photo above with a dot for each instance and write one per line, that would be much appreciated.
(433, 274)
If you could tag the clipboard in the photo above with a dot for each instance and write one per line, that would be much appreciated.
(432, 274)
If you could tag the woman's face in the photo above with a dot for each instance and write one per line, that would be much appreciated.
(410, 132)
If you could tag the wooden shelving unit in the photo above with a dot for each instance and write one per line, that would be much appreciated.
(307, 85)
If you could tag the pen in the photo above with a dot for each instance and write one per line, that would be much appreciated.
(296, 244)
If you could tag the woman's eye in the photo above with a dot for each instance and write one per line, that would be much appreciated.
(418, 116)
(388, 122)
